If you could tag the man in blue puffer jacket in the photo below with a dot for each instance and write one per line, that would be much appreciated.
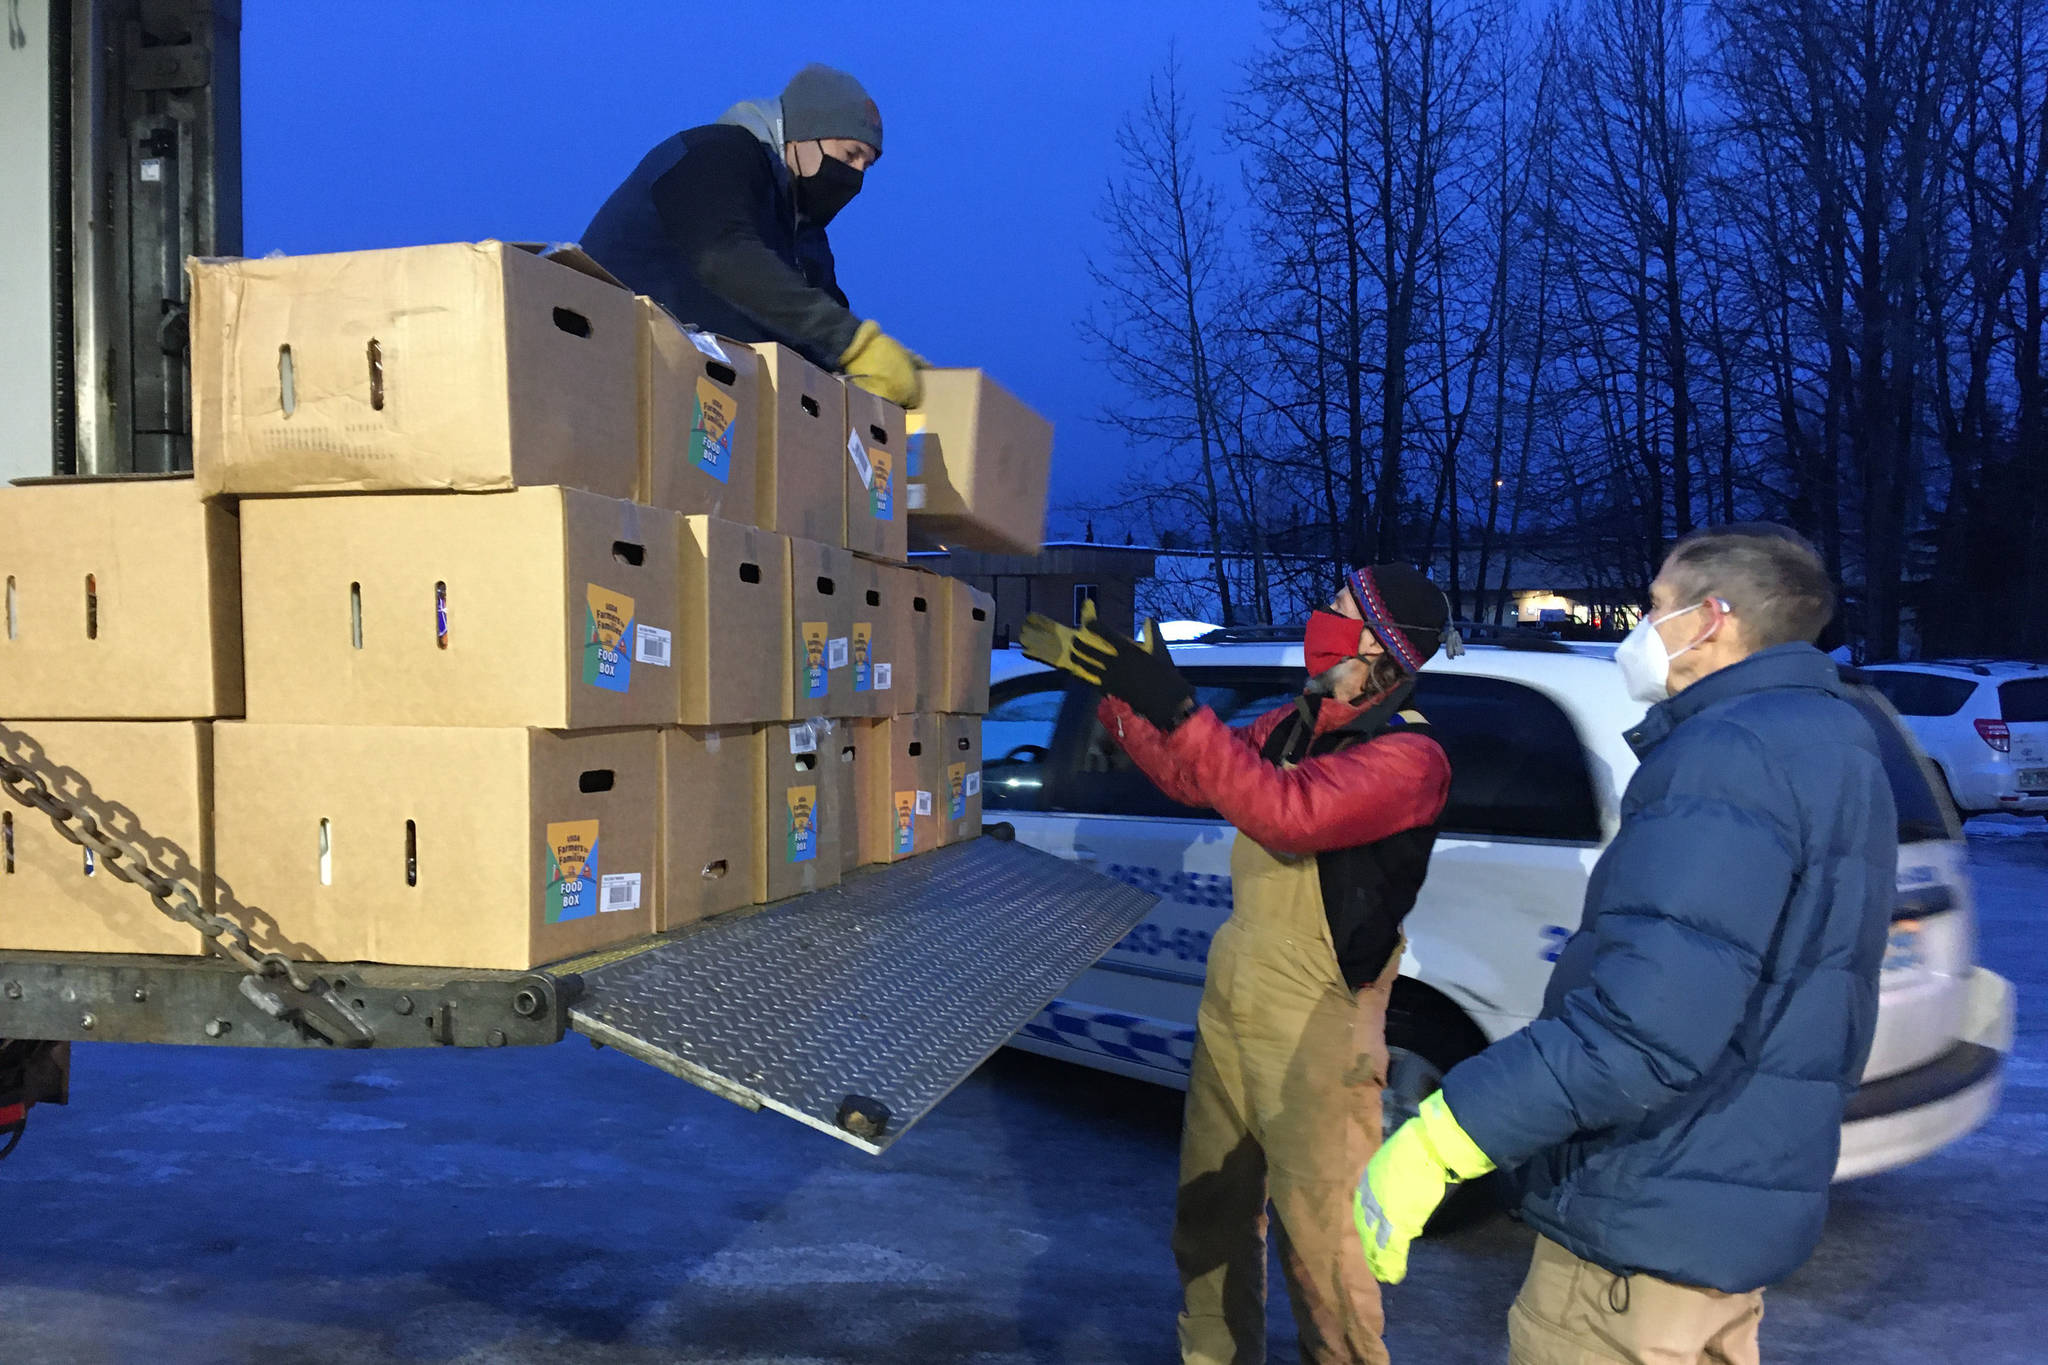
(1672, 1119)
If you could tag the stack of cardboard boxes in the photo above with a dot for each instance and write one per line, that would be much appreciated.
(561, 624)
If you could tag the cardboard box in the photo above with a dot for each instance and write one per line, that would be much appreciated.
(120, 599)
(920, 664)
(876, 445)
(818, 666)
(903, 769)
(714, 841)
(482, 848)
(979, 462)
(801, 809)
(801, 454)
(846, 746)
(151, 783)
(540, 606)
(465, 366)
(879, 600)
(732, 648)
(700, 416)
(970, 637)
(961, 747)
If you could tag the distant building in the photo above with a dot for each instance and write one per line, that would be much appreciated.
(1053, 582)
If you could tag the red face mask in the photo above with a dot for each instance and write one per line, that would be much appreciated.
(1329, 640)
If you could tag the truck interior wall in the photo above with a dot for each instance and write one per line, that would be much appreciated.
(26, 394)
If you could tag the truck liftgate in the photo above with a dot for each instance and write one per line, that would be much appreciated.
(853, 1009)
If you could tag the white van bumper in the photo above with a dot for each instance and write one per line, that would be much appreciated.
(1903, 1118)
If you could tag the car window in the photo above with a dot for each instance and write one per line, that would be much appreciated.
(1518, 769)
(1109, 783)
(1922, 814)
(1913, 693)
(1016, 740)
(2023, 701)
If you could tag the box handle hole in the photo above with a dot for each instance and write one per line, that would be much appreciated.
(874, 598)
(287, 381)
(412, 853)
(826, 586)
(7, 842)
(92, 607)
(919, 604)
(626, 552)
(355, 614)
(806, 762)
(13, 620)
(750, 573)
(572, 322)
(809, 405)
(713, 870)
(916, 748)
(596, 780)
(440, 616)
(722, 374)
(980, 614)
(878, 435)
(326, 851)
(375, 353)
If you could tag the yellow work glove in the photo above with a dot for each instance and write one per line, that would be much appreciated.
(1049, 642)
(880, 364)
(1405, 1181)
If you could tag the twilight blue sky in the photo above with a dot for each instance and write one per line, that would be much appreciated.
(373, 123)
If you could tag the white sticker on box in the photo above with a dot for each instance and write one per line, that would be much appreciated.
(881, 677)
(913, 497)
(837, 651)
(924, 803)
(651, 646)
(802, 738)
(708, 344)
(152, 170)
(711, 742)
(862, 465)
(972, 786)
(620, 891)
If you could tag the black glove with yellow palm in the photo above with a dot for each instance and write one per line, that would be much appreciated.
(1138, 672)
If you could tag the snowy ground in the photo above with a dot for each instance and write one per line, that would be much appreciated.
(565, 1206)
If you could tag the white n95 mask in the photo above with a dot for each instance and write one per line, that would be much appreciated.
(1644, 661)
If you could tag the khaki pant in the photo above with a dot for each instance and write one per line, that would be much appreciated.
(1283, 1106)
(1572, 1312)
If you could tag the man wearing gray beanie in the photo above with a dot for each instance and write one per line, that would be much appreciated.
(724, 226)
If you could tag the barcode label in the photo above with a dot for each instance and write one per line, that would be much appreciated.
(708, 344)
(924, 803)
(972, 786)
(881, 676)
(620, 891)
(913, 497)
(650, 646)
(802, 738)
(862, 465)
(836, 652)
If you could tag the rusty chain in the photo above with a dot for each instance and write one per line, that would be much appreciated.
(311, 1004)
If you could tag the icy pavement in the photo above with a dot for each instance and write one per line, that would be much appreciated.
(568, 1206)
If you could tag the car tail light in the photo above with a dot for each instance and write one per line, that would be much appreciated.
(1997, 734)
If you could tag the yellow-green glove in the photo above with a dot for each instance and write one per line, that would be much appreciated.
(1405, 1181)
(1049, 642)
(880, 364)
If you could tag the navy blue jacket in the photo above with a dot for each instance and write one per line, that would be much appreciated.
(706, 227)
(1677, 1107)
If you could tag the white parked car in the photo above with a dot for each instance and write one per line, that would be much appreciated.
(1534, 730)
(1984, 723)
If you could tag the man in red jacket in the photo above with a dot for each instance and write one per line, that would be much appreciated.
(1336, 800)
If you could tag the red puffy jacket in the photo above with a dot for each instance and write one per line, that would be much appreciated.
(1360, 794)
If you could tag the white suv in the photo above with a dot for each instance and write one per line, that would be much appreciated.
(1982, 721)
(1534, 729)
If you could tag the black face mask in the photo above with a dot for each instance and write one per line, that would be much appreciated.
(821, 195)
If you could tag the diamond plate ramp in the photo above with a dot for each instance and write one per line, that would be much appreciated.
(889, 989)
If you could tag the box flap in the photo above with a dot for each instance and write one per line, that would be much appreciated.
(573, 256)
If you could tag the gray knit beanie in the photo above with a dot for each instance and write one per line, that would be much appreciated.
(822, 101)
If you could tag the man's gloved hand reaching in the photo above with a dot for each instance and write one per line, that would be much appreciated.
(1141, 675)
(883, 366)
(1405, 1181)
